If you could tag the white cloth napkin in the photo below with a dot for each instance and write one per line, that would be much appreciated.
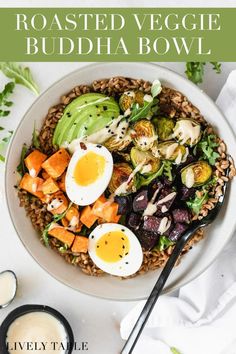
(202, 319)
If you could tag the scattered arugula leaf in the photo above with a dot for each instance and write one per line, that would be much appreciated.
(174, 350)
(168, 170)
(20, 74)
(3, 144)
(196, 203)
(195, 70)
(142, 181)
(4, 102)
(1, 128)
(163, 243)
(21, 167)
(148, 106)
(35, 139)
(207, 147)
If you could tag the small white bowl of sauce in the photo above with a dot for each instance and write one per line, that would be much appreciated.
(8, 287)
(36, 329)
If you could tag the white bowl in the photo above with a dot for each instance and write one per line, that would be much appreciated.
(194, 263)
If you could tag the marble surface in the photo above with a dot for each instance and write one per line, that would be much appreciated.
(93, 320)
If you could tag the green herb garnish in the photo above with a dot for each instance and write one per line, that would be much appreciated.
(4, 102)
(168, 170)
(3, 144)
(20, 74)
(35, 139)
(163, 243)
(195, 70)
(21, 167)
(174, 350)
(196, 203)
(206, 147)
(148, 108)
(142, 181)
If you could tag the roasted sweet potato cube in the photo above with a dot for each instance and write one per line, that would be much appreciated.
(56, 164)
(80, 244)
(87, 217)
(72, 215)
(34, 161)
(32, 185)
(58, 203)
(61, 182)
(62, 235)
(45, 175)
(50, 186)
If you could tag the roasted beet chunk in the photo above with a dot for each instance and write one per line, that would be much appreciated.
(147, 239)
(177, 231)
(151, 223)
(181, 215)
(186, 193)
(140, 201)
(125, 204)
(134, 221)
(159, 225)
(165, 200)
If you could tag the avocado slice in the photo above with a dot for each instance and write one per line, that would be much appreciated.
(87, 111)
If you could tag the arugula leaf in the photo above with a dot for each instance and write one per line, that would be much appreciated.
(1, 128)
(3, 144)
(195, 70)
(149, 107)
(163, 243)
(206, 147)
(4, 95)
(196, 203)
(35, 139)
(174, 350)
(21, 75)
(21, 167)
(142, 181)
(168, 170)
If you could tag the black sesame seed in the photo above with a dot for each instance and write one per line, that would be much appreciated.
(123, 230)
(145, 143)
(126, 253)
(122, 238)
(98, 115)
(96, 106)
(106, 242)
(123, 247)
(109, 130)
(85, 102)
(97, 246)
(105, 108)
(112, 117)
(90, 115)
(126, 262)
(85, 128)
(92, 236)
(120, 256)
(99, 146)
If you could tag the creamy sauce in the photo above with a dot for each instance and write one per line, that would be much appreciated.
(146, 141)
(74, 221)
(121, 130)
(36, 327)
(123, 188)
(186, 130)
(151, 207)
(148, 98)
(54, 204)
(7, 287)
(32, 172)
(171, 149)
(167, 198)
(164, 225)
(147, 168)
(189, 178)
(34, 187)
(54, 225)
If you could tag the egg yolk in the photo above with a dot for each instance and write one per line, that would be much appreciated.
(112, 246)
(89, 168)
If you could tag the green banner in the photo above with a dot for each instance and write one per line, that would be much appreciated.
(117, 34)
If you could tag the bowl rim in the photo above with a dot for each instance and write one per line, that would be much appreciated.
(29, 308)
(44, 93)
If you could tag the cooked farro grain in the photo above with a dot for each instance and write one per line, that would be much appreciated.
(172, 103)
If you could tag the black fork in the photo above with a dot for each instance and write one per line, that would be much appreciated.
(148, 307)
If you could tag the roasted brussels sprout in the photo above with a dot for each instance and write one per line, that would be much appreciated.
(127, 99)
(144, 134)
(164, 127)
(172, 151)
(120, 175)
(196, 174)
(151, 165)
(116, 144)
(187, 131)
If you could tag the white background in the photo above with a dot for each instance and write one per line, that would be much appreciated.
(93, 320)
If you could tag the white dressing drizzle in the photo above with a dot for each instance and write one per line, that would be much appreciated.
(186, 130)
(151, 207)
(164, 225)
(189, 178)
(123, 188)
(167, 198)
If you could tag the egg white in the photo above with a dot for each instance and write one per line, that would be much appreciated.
(85, 195)
(126, 266)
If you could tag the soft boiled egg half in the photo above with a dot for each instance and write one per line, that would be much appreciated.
(89, 173)
(115, 249)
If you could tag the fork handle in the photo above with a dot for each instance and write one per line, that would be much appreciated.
(148, 307)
